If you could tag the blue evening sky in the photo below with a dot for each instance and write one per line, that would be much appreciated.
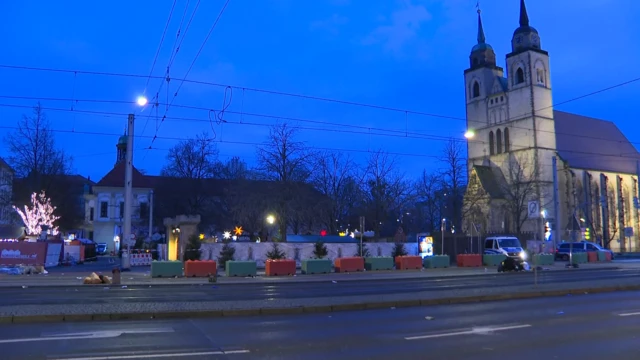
(408, 55)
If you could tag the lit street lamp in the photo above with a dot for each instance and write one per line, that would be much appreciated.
(469, 134)
(271, 219)
(142, 101)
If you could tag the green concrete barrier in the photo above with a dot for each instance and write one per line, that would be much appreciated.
(543, 259)
(316, 266)
(436, 261)
(241, 268)
(378, 263)
(166, 268)
(579, 258)
(493, 259)
(602, 256)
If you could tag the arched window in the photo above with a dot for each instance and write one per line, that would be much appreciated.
(476, 89)
(499, 141)
(491, 149)
(506, 140)
(519, 76)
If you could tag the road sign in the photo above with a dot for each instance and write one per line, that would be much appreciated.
(534, 210)
(628, 232)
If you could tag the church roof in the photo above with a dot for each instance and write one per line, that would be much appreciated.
(593, 144)
(491, 179)
(115, 177)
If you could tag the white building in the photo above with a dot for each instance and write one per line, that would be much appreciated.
(517, 133)
(105, 204)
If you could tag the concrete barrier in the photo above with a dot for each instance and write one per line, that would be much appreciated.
(166, 268)
(378, 263)
(436, 261)
(493, 259)
(469, 260)
(316, 266)
(408, 263)
(241, 268)
(349, 264)
(200, 268)
(280, 267)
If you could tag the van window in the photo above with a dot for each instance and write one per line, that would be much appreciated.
(591, 247)
(509, 243)
(488, 244)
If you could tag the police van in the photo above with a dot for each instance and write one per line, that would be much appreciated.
(504, 245)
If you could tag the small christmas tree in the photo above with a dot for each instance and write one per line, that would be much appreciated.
(40, 213)
(227, 253)
(398, 250)
(193, 248)
(363, 251)
(320, 250)
(276, 253)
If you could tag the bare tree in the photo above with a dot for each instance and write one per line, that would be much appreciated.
(286, 161)
(192, 159)
(385, 189)
(32, 147)
(428, 191)
(334, 177)
(519, 188)
(454, 180)
(234, 169)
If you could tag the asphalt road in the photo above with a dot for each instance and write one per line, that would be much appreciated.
(571, 327)
(237, 292)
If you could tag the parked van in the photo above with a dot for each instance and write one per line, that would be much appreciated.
(506, 245)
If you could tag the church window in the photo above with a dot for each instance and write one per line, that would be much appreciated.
(540, 76)
(476, 89)
(506, 140)
(491, 101)
(491, 149)
(501, 98)
(519, 76)
(499, 141)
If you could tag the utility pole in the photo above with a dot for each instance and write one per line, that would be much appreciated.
(361, 235)
(442, 228)
(128, 192)
(150, 214)
(556, 203)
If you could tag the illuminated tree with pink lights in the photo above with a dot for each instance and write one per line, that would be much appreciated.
(40, 213)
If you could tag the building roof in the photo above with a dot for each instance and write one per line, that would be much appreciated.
(491, 179)
(593, 144)
(3, 164)
(115, 177)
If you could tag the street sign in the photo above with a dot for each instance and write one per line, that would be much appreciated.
(534, 210)
(628, 232)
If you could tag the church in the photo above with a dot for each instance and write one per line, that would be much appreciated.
(536, 172)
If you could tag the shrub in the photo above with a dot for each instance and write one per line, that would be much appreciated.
(362, 250)
(227, 253)
(276, 253)
(192, 250)
(320, 250)
(398, 250)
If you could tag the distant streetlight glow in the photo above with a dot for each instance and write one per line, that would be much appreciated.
(142, 101)
(469, 134)
(271, 219)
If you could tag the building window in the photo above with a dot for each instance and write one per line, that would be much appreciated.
(104, 209)
(121, 209)
(499, 141)
(506, 140)
(491, 101)
(501, 98)
(90, 235)
(519, 76)
(476, 89)
(540, 76)
(144, 210)
(91, 211)
(491, 152)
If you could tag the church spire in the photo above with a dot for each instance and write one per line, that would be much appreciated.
(481, 37)
(524, 17)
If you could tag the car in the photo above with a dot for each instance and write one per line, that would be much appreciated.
(101, 248)
(564, 250)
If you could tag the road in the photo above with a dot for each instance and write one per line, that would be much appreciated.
(571, 327)
(78, 295)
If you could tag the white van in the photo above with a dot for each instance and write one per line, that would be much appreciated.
(506, 245)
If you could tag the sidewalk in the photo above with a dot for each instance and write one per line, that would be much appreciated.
(141, 276)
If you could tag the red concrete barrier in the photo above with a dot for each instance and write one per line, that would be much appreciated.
(408, 263)
(469, 260)
(592, 256)
(349, 264)
(197, 268)
(608, 255)
(280, 267)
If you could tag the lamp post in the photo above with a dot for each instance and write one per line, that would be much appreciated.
(442, 228)
(270, 220)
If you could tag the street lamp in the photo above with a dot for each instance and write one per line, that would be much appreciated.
(442, 228)
(142, 101)
(271, 219)
(469, 134)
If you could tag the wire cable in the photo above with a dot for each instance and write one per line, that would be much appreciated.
(155, 58)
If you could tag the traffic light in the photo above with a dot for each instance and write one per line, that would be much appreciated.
(546, 228)
(587, 234)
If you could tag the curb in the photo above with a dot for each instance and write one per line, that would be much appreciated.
(344, 278)
(18, 319)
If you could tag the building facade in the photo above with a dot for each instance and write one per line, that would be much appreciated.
(7, 214)
(517, 133)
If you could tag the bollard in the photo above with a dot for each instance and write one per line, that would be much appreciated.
(116, 276)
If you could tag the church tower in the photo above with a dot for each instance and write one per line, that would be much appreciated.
(121, 147)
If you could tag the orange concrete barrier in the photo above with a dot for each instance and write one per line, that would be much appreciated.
(280, 267)
(469, 260)
(349, 264)
(197, 268)
(408, 263)
(592, 256)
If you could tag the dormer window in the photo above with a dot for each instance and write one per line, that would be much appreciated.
(519, 76)
(476, 90)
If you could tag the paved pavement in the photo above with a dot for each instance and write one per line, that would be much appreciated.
(570, 327)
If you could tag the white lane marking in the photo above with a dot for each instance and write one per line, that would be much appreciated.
(630, 314)
(475, 331)
(158, 356)
(88, 335)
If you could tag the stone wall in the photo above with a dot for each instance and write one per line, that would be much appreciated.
(299, 251)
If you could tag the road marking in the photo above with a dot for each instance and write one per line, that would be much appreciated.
(475, 331)
(630, 314)
(158, 356)
(89, 335)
